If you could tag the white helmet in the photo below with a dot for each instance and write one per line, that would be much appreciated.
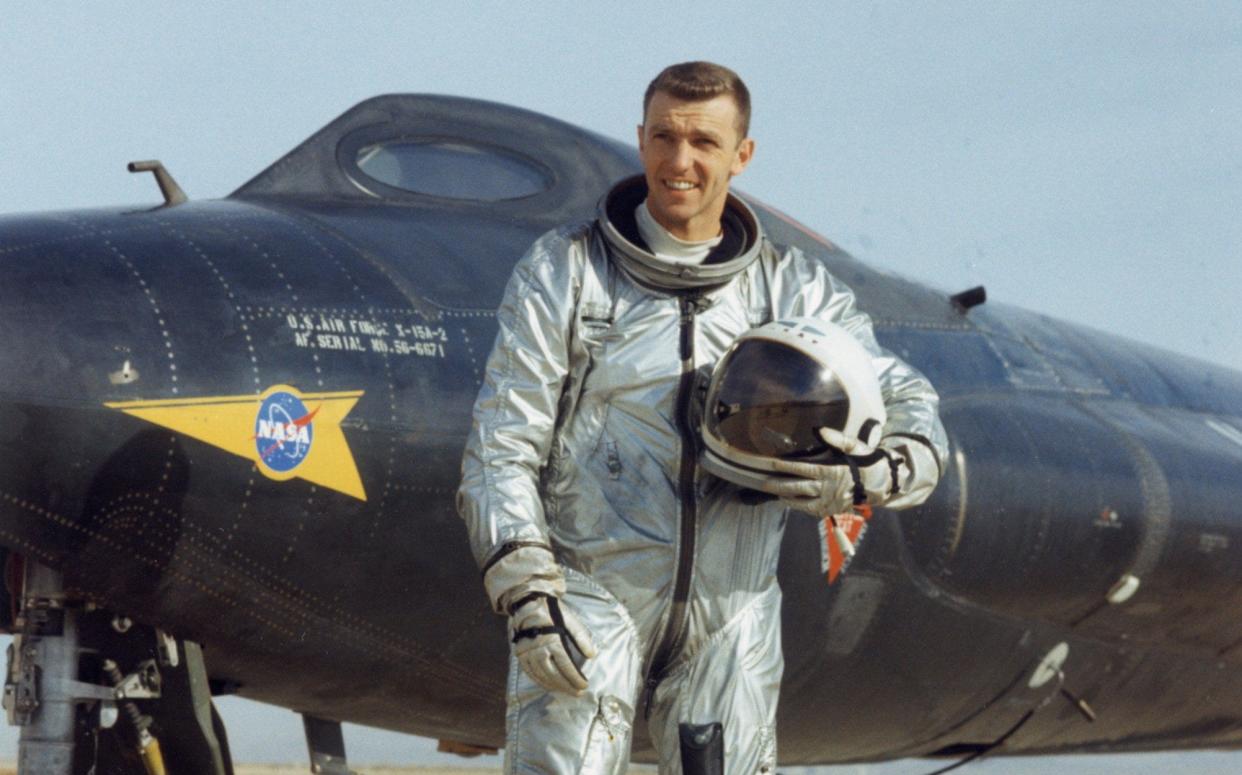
(777, 387)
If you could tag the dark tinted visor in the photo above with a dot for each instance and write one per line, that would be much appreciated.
(768, 399)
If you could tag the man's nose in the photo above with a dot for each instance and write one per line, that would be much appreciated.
(682, 157)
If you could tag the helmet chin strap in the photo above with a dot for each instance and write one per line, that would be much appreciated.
(860, 493)
(835, 458)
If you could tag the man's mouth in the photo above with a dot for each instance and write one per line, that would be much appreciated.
(679, 185)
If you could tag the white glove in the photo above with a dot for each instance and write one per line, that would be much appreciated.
(886, 477)
(820, 490)
(838, 440)
(545, 638)
(816, 489)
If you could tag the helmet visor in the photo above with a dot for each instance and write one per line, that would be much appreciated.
(769, 399)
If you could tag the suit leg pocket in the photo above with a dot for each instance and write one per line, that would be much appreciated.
(608, 741)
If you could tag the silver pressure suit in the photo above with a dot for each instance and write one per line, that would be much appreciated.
(581, 480)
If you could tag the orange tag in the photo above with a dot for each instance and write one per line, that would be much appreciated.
(853, 524)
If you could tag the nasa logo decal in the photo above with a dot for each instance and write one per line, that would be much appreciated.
(283, 431)
(287, 434)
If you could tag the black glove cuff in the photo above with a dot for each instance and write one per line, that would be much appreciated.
(524, 600)
(535, 632)
(558, 621)
(558, 628)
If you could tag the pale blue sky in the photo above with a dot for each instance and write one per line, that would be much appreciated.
(1080, 159)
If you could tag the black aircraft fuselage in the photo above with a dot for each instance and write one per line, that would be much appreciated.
(241, 421)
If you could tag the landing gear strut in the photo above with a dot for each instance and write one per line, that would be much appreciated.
(97, 694)
(43, 668)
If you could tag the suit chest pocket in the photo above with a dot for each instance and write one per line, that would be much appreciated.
(601, 335)
(594, 324)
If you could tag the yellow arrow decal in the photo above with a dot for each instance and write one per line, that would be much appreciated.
(286, 433)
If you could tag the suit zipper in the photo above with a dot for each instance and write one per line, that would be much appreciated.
(678, 613)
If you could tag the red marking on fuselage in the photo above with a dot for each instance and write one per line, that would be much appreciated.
(821, 239)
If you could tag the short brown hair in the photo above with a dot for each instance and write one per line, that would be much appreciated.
(697, 81)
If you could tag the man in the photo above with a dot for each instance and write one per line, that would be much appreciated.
(637, 585)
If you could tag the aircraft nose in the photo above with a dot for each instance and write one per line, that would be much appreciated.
(70, 320)
(1015, 517)
(1056, 511)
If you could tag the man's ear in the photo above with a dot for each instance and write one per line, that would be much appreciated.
(640, 137)
(742, 156)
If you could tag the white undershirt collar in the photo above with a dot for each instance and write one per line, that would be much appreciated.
(664, 245)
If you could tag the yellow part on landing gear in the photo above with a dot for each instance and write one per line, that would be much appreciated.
(152, 758)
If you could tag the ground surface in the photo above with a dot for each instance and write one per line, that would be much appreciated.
(291, 769)
(301, 769)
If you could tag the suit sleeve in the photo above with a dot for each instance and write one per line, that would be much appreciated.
(514, 420)
(913, 433)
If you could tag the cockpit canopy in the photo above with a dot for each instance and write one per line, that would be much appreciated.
(448, 152)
